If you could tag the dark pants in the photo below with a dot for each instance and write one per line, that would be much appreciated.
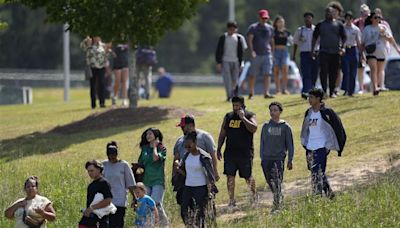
(273, 173)
(316, 161)
(329, 64)
(97, 85)
(309, 71)
(349, 69)
(117, 219)
(198, 196)
(91, 222)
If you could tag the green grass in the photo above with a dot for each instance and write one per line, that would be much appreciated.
(29, 147)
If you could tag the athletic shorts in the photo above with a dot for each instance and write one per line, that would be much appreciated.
(244, 166)
(261, 65)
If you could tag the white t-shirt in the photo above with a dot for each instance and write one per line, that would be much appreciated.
(353, 34)
(303, 38)
(230, 49)
(316, 137)
(194, 171)
(38, 201)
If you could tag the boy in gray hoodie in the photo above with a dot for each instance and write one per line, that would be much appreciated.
(275, 141)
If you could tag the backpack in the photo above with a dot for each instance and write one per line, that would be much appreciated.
(146, 57)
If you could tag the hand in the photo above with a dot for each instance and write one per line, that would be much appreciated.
(289, 166)
(253, 54)
(241, 114)
(155, 143)
(156, 220)
(217, 177)
(87, 212)
(39, 210)
(176, 164)
(21, 203)
(134, 205)
(342, 51)
(219, 155)
(219, 67)
(314, 55)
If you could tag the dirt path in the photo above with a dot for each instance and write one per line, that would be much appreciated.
(339, 180)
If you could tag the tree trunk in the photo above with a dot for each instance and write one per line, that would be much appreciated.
(133, 92)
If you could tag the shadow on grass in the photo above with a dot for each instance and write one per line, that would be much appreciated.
(97, 125)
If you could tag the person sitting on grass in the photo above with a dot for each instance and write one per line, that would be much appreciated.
(146, 210)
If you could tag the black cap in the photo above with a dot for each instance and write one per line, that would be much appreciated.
(348, 14)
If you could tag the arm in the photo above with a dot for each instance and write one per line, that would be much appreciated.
(250, 124)
(250, 38)
(9, 212)
(315, 38)
(156, 217)
(104, 203)
(294, 52)
(262, 143)
(221, 140)
(272, 45)
(342, 35)
(215, 163)
(47, 213)
(289, 146)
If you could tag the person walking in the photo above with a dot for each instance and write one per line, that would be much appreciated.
(238, 128)
(96, 58)
(121, 73)
(308, 65)
(332, 37)
(229, 56)
(360, 23)
(199, 181)
(261, 44)
(98, 185)
(121, 179)
(146, 210)
(350, 58)
(282, 38)
(204, 141)
(146, 59)
(276, 141)
(33, 210)
(321, 132)
(374, 39)
(152, 158)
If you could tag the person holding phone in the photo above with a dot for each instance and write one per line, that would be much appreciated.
(238, 128)
(152, 158)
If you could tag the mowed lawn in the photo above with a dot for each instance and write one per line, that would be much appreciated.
(30, 145)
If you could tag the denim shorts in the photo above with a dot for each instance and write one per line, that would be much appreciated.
(281, 57)
(261, 65)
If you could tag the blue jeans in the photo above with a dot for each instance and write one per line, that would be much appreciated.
(309, 71)
(281, 57)
(156, 192)
(349, 69)
(316, 161)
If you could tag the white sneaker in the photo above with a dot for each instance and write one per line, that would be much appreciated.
(360, 92)
(125, 102)
(113, 100)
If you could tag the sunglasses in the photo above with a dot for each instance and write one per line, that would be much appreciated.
(377, 17)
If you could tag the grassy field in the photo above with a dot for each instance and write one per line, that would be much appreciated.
(31, 145)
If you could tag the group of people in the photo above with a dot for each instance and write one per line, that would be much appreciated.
(102, 57)
(333, 48)
(195, 167)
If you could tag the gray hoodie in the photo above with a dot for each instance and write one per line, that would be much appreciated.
(275, 140)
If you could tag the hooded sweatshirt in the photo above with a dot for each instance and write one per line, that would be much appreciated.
(275, 140)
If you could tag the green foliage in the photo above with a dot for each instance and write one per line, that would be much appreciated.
(122, 21)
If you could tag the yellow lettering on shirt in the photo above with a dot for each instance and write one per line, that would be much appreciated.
(234, 123)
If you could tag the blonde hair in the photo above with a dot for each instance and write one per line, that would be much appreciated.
(141, 186)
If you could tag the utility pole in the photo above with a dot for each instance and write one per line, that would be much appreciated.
(66, 58)
(231, 10)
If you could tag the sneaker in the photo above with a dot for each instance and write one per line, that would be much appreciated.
(268, 96)
(333, 95)
(278, 93)
(285, 92)
(331, 195)
(250, 96)
(113, 100)
(304, 96)
(361, 92)
(125, 102)
(232, 205)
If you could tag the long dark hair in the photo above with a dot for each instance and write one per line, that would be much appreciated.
(157, 134)
(368, 20)
(277, 18)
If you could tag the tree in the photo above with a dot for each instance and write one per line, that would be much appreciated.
(129, 21)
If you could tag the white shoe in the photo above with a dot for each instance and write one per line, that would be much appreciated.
(125, 102)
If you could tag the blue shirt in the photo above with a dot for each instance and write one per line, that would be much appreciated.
(164, 85)
(144, 211)
(263, 34)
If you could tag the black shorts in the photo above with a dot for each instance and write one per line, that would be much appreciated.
(374, 57)
(244, 165)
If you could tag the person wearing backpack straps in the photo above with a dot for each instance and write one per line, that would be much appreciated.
(229, 56)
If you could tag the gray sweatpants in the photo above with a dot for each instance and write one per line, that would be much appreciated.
(230, 74)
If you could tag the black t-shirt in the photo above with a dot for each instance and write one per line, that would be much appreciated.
(98, 186)
(281, 38)
(239, 141)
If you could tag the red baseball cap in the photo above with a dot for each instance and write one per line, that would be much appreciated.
(263, 13)
(186, 119)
